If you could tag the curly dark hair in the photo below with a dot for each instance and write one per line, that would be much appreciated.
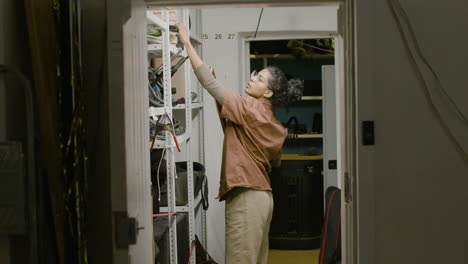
(284, 92)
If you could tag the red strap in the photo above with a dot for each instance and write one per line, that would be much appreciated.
(191, 251)
(168, 214)
(338, 231)
(324, 241)
(152, 142)
(176, 142)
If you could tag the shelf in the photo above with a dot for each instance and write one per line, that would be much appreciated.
(290, 56)
(159, 144)
(156, 111)
(184, 208)
(310, 98)
(155, 50)
(153, 19)
(310, 136)
(301, 157)
(294, 136)
(158, 47)
(182, 106)
(152, 40)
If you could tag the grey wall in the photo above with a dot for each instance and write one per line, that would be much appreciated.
(413, 182)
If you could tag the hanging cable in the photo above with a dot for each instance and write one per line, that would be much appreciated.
(156, 123)
(424, 60)
(172, 131)
(258, 24)
(394, 5)
(157, 175)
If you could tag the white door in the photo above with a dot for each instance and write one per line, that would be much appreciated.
(129, 132)
(330, 160)
(346, 116)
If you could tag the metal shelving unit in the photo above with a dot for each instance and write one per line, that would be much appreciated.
(164, 50)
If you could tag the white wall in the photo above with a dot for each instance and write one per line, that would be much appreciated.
(225, 56)
(273, 19)
(419, 181)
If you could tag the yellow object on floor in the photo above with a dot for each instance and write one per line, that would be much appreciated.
(293, 256)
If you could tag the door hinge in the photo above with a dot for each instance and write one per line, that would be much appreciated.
(348, 188)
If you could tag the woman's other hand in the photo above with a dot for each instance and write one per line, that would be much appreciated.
(183, 33)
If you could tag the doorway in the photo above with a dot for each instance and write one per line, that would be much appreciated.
(300, 183)
(345, 80)
(228, 43)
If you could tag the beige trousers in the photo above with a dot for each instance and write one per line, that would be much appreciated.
(248, 217)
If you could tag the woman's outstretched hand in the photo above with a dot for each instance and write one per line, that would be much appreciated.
(183, 33)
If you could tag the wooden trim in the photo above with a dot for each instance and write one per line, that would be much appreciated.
(43, 41)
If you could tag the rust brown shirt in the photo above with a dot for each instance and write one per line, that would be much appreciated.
(252, 138)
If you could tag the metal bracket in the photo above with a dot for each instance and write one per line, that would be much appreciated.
(126, 230)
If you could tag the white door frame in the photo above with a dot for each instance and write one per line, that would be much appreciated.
(129, 129)
(348, 225)
(122, 164)
(345, 56)
(331, 118)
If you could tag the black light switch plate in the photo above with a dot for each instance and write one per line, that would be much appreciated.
(368, 134)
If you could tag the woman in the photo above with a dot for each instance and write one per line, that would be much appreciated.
(253, 138)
